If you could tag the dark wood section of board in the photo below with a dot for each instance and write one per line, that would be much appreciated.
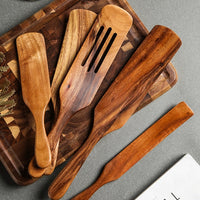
(17, 128)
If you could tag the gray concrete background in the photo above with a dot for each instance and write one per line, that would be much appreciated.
(183, 17)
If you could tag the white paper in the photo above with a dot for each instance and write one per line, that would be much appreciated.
(181, 182)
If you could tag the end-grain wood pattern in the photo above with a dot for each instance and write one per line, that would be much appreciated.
(18, 128)
(6, 91)
(142, 145)
(129, 88)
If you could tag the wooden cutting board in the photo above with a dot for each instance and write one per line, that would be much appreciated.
(17, 124)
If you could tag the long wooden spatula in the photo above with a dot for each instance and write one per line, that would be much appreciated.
(89, 68)
(121, 163)
(129, 88)
(35, 88)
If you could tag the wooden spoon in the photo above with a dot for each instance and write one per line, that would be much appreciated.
(135, 151)
(79, 23)
(35, 88)
(89, 68)
(129, 88)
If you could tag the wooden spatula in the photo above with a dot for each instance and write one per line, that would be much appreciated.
(121, 163)
(89, 68)
(78, 26)
(129, 88)
(35, 88)
(79, 23)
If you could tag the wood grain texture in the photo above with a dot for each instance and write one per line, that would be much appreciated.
(36, 92)
(83, 80)
(129, 88)
(17, 147)
(135, 151)
(78, 26)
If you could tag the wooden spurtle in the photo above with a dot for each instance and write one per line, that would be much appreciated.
(79, 23)
(129, 88)
(121, 163)
(78, 26)
(35, 88)
(89, 68)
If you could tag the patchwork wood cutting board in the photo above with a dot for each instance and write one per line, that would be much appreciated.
(16, 122)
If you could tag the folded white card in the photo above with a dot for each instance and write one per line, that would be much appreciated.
(180, 182)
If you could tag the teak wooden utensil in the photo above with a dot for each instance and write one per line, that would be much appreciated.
(79, 23)
(135, 151)
(78, 26)
(130, 87)
(35, 88)
(89, 68)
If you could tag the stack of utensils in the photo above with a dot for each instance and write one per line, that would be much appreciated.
(77, 78)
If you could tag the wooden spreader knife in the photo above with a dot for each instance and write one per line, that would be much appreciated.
(34, 74)
(121, 163)
(129, 88)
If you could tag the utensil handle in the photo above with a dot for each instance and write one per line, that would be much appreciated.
(87, 193)
(33, 169)
(61, 184)
(54, 153)
(42, 149)
(53, 139)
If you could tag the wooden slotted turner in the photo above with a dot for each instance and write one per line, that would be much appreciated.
(142, 145)
(125, 93)
(35, 88)
(89, 68)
